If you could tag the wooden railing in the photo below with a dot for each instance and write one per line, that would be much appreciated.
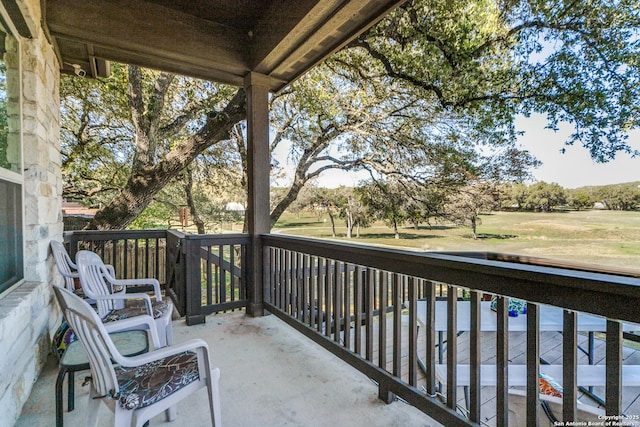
(335, 293)
(214, 271)
(133, 253)
(203, 274)
(361, 303)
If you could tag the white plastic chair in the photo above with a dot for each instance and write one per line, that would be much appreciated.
(98, 284)
(68, 269)
(143, 386)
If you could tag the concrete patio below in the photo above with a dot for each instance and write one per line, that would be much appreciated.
(270, 376)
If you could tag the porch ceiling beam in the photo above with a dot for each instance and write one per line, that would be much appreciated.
(192, 68)
(328, 27)
(283, 29)
(26, 28)
(216, 40)
(151, 35)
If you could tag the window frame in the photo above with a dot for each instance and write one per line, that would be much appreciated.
(10, 176)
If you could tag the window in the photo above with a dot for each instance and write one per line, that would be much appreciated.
(11, 270)
(11, 179)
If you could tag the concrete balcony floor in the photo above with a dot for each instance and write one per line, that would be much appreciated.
(270, 376)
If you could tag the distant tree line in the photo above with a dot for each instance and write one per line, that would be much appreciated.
(544, 197)
(398, 203)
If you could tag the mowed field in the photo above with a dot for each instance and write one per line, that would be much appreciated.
(609, 238)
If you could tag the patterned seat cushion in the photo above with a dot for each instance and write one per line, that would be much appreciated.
(159, 309)
(80, 293)
(147, 384)
(62, 338)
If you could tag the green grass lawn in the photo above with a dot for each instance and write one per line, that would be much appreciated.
(610, 238)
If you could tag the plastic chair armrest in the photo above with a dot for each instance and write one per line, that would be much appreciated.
(133, 323)
(111, 270)
(72, 275)
(137, 282)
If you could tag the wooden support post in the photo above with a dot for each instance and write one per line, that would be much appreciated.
(194, 314)
(258, 168)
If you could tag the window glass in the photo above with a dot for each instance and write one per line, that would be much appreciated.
(11, 270)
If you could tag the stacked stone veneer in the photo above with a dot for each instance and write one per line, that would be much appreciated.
(28, 314)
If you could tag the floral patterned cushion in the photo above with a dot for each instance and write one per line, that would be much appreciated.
(514, 306)
(159, 309)
(147, 384)
(549, 386)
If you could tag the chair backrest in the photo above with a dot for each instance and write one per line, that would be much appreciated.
(94, 338)
(66, 267)
(92, 278)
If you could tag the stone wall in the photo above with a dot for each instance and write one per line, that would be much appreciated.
(27, 313)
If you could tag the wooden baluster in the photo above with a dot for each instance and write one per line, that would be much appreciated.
(569, 366)
(502, 362)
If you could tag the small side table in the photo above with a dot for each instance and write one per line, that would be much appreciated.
(74, 359)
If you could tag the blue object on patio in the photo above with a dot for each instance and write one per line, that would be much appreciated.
(514, 306)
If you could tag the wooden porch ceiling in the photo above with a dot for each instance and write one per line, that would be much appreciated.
(218, 40)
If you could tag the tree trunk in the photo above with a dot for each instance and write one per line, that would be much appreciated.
(333, 223)
(396, 234)
(147, 180)
(473, 228)
(188, 191)
(349, 219)
(289, 198)
(300, 178)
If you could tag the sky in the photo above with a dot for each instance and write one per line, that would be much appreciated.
(572, 169)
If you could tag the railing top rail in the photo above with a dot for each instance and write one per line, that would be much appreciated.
(214, 239)
(105, 235)
(113, 234)
(176, 233)
(609, 295)
(547, 262)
